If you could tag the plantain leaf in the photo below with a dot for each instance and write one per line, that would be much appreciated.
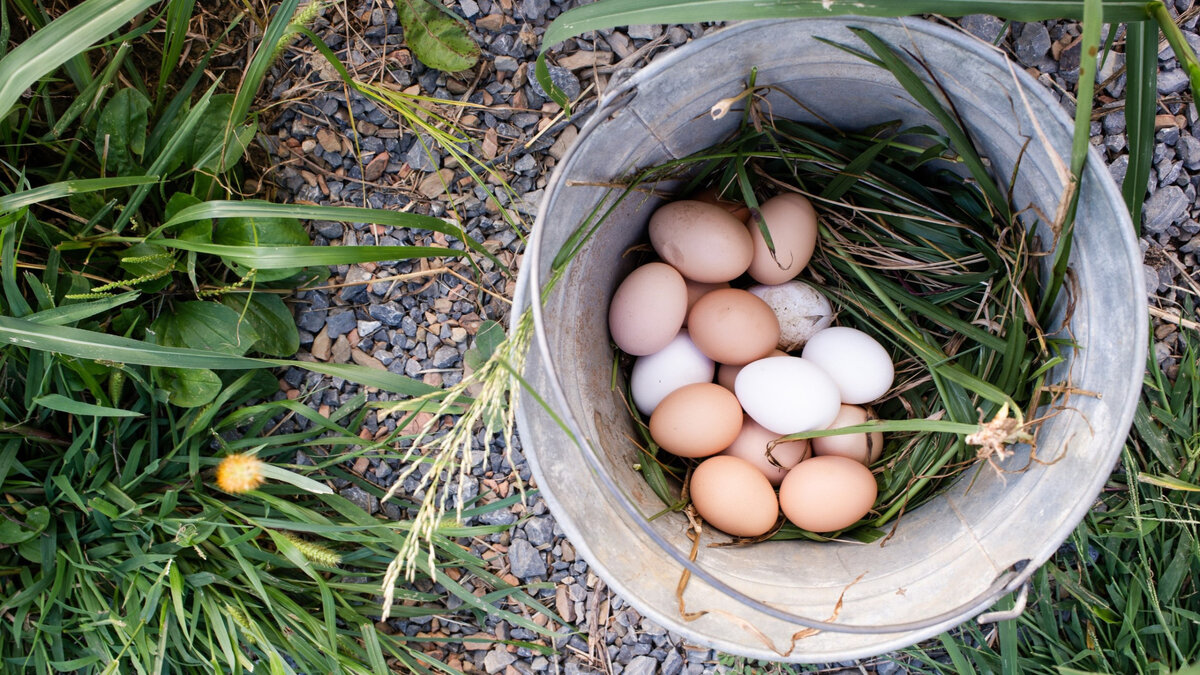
(189, 387)
(439, 41)
(14, 531)
(121, 132)
(270, 318)
(204, 325)
(260, 231)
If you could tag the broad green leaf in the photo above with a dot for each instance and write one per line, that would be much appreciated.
(121, 132)
(72, 407)
(489, 336)
(65, 37)
(200, 230)
(15, 529)
(264, 232)
(277, 332)
(189, 387)
(204, 325)
(205, 139)
(438, 40)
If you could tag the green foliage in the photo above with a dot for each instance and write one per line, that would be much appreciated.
(436, 36)
(1120, 596)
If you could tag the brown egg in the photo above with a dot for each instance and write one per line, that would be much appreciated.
(792, 222)
(727, 374)
(696, 420)
(751, 445)
(824, 494)
(862, 448)
(648, 309)
(732, 496)
(712, 196)
(733, 326)
(697, 290)
(703, 241)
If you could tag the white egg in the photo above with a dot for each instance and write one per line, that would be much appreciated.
(858, 364)
(678, 364)
(801, 309)
(787, 394)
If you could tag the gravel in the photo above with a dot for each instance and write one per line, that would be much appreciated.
(400, 316)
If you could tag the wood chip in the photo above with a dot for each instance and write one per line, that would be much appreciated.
(563, 604)
(435, 183)
(329, 140)
(374, 169)
(585, 59)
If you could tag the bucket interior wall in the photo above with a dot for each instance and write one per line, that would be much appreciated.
(944, 553)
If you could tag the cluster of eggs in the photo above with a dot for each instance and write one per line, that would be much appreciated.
(687, 326)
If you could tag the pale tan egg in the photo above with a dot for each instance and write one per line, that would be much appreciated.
(648, 309)
(792, 222)
(734, 497)
(696, 420)
(727, 374)
(703, 241)
(697, 290)
(826, 494)
(862, 448)
(751, 445)
(733, 326)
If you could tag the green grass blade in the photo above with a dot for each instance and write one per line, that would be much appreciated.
(60, 316)
(263, 56)
(65, 37)
(67, 188)
(71, 406)
(1141, 102)
(285, 257)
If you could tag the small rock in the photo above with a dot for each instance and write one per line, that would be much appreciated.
(672, 664)
(320, 346)
(330, 229)
(524, 561)
(645, 31)
(340, 323)
(983, 26)
(535, 10)
(469, 8)
(491, 23)
(1172, 81)
(311, 321)
(506, 64)
(1033, 41)
(329, 141)
(497, 660)
(1151, 276)
(363, 499)
(563, 79)
(642, 665)
(446, 356)
(374, 169)
(366, 360)
(365, 328)
(563, 143)
(436, 183)
(1118, 168)
(525, 164)
(585, 59)
(1188, 149)
(1114, 122)
(423, 156)
(340, 351)
(563, 604)
(540, 531)
(1163, 208)
(388, 313)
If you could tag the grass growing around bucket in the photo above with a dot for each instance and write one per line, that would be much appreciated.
(141, 313)
(1120, 595)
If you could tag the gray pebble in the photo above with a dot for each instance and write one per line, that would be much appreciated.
(365, 328)
(363, 499)
(1033, 41)
(311, 321)
(1172, 81)
(469, 8)
(646, 31)
(561, 78)
(1188, 149)
(1114, 122)
(672, 664)
(424, 157)
(983, 26)
(540, 531)
(524, 560)
(1164, 208)
(1151, 276)
(329, 229)
(1118, 169)
(446, 356)
(497, 659)
(389, 313)
(338, 324)
(506, 64)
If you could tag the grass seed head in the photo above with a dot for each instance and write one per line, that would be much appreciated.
(239, 473)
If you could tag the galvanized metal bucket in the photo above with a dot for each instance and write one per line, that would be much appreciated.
(950, 559)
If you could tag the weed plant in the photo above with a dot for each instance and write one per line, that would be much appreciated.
(141, 307)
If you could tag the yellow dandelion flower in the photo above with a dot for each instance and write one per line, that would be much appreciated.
(240, 473)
